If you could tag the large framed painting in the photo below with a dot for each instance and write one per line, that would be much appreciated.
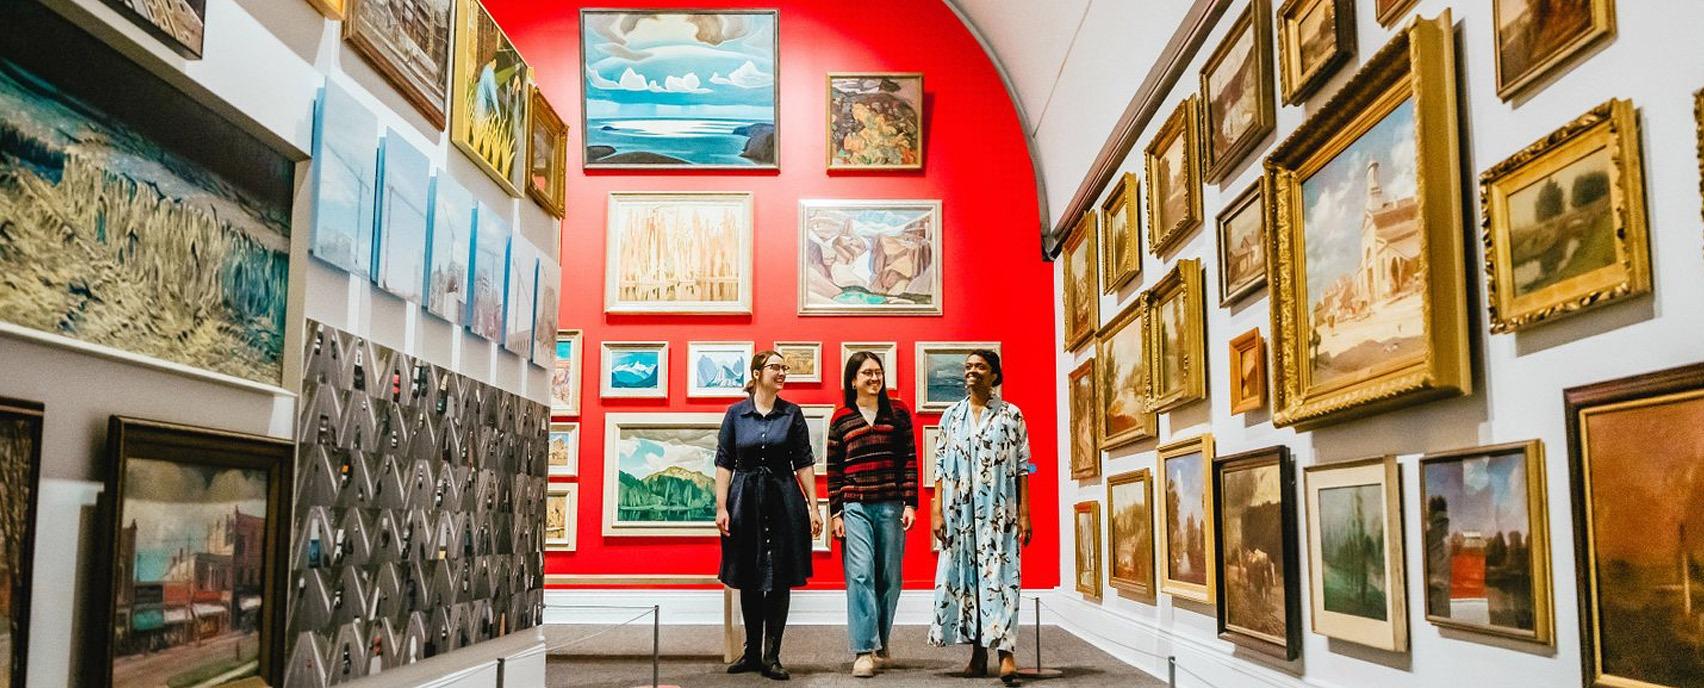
(547, 156)
(875, 121)
(1247, 372)
(1564, 221)
(718, 369)
(520, 300)
(1086, 521)
(1388, 11)
(565, 373)
(345, 181)
(1130, 534)
(449, 250)
(1535, 38)
(1121, 235)
(405, 184)
(694, 89)
(888, 351)
(564, 449)
(196, 532)
(1177, 353)
(20, 476)
(1186, 538)
(490, 86)
(1085, 454)
(1259, 582)
(870, 257)
(1355, 560)
(180, 24)
(407, 42)
(804, 360)
(561, 516)
(1633, 448)
(139, 224)
(940, 372)
(1315, 38)
(1487, 540)
(1082, 288)
(1122, 378)
(678, 253)
(634, 369)
(1369, 309)
(486, 285)
(1237, 110)
(1173, 163)
(660, 474)
(1242, 245)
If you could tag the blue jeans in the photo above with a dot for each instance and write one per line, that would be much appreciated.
(874, 548)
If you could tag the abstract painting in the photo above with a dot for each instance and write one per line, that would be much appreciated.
(20, 474)
(804, 360)
(693, 89)
(180, 24)
(1088, 565)
(564, 449)
(870, 257)
(1130, 533)
(1236, 92)
(345, 181)
(1633, 446)
(875, 121)
(565, 373)
(888, 351)
(1121, 379)
(194, 590)
(1121, 235)
(520, 297)
(1177, 355)
(1254, 517)
(451, 244)
(717, 369)
(1085, 455)
(1487, 549)
(546, 313)
(1248, 372)
(1082, 285)
(1565, 221)
(547, 155)
(678, 253)
(489, 91)
(561, 509)
(1355, 553)
(408, 42)
(1186, 544)
(404, 184)
(1173, 164)
(1536, 37)
(486, 286)
(659, 474)
(1242, 245)
(816, 425)
(1315, 38)
(136, 220)
(635, 369)
(940, 372)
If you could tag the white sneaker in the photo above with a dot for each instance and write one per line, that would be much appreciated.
(864, 666)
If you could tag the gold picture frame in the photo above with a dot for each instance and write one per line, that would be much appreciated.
(1085, 452)
(1177, 362)
(1175, 145)
(1388, 11)
(1137, 579)
(1250, 35)
(1176, 474)
(1247, 372)
(332, 9)
(1561, 38)
(1242, 255)
(1122, 378)
(1374, 614)
(1086, 522)
(495, 145)
(1309, 52)
(1121, 247)
(1603, 210)
(1418, 289)
(1082, 295)
(897, 89)
(550, 192)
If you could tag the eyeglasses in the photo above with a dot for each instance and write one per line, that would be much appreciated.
(779, 367)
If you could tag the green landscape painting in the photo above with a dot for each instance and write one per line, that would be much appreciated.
(667, 475)
(1351, 530)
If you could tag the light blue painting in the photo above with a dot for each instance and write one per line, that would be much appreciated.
(452, 239)
(519, 303)
(403, 204)
(485, 283)
(943, 373)
(346, 160)
(634, 369)
(686, 89)
(718, 370)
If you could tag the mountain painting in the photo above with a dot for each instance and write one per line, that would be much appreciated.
(664, 474)
(718, 369)
(633, 369)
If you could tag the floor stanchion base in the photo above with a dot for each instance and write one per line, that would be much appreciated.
(1039, 673)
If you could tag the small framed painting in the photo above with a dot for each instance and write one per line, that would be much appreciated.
(565, 374)
(1082, 288)
(717, 369)
(1186, 540)
(20, 469)
(1355, 559)
(1538, 37)
(1130, 534)
(825, 541)
(926, 472)
(561, 507)
(1242, 245)
(1173, 163)
(1315, 38)
(1088, 570)
(1178, 355)
(888, 351)
(634, 369)
(547, 156)
(940, 372)
(1248, 372)
(1123, 413)
(804, 360)
(875, 121)
(564, 449)
(1121, 235)
(1085, 453)
(1236, 92)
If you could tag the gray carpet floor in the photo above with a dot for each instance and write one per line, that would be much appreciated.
(815, 655)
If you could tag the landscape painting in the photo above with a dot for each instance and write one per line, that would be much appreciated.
(1130, 533)
(489, 92)
(564, 450)
(692, 89)
(635, 369)
(135, 219)
(1254, 522)
(1186, 539)
(1236, 91)
(1121, 238)
(20, 471)
(407, 41)
(1558, 235)
(888, 351)
(180, 24)
(940, 373)
(486, 286)
(875, 121)
(1242, 246)
(1487, 555)
(346, 180)
(452, 242)
(1351, 526)
(717, 369)
(1085, 457)
(1082, 285)
(521, 290)
(403, 196)
(1088, 570)
(1174, 179)
(679, 253)
(1315, 38)
(565, 374)
(561, 507)
(547, 155)
(804, 360)
(870, 257)
(1355, 563)
(816, 425)
(659, 476)
(1178, 355)
(1122, 379)
(1536, 36)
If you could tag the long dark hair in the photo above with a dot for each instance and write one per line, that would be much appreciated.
(849, 376)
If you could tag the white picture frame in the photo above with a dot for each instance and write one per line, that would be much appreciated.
(811, 351)
(817, 417)
(826, 273)
(926, 352)
(570, 527)
(656, 382)
(724, 383)
(889, 351)
(926, 457)
(824, 541)
(696, 432)
(568, 434)
(565, 373)
(625, 248)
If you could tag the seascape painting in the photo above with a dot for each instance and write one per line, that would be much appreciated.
(135, 218)
(407, 41)
(1186, 518)
(20, 469)
(875, 121)
(405, 181)
(451, 244)
(1085, 456)
(1122, 388)
(489, 95)
(1252, 527)
(1352, 548)
(565, 372)
(1365, 280)
(1562, 226)
(1535, 35)
(521, 286)
(346, 179)
(564, 449)
(717, 369)
(679, 89)
(870, 257)
(635, 369)
(679, 253)
(1481, 547)
(180, 24)
(940, 372)
(485, 283)
(660, 474)
(546, 314)
(1130, 536)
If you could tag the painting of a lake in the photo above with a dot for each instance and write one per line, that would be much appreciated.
(659, 473)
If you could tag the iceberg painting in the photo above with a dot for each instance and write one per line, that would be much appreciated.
(717, 369)
(635, 369)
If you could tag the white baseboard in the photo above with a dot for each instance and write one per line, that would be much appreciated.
(704, 607)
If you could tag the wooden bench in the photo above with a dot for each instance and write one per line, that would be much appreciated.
(733, 636)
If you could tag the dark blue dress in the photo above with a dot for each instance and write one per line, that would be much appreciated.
(769, 546)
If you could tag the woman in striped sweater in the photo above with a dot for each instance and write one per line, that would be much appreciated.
(872, 496)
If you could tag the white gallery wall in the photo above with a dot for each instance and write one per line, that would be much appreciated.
(263, 65)
(1654, 61)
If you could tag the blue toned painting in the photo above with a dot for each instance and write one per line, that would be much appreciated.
(944, 376)
(634, 369)
(518, 302)
(485, 284)
(451, 223)
(346, 144)
(403, 198)
(719, 370)
(693, 89)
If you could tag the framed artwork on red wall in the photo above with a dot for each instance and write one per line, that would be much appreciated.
(700, 241)
(870, 257)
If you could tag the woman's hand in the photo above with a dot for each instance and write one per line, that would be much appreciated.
(1024, 530)
(909, 518)
(938, 523)
(839, 528)
(723, 521)
(816, 524)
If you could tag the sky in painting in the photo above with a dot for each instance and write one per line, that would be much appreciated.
(174, 505)
(1334, 198)
(719, 65)
(644, 452)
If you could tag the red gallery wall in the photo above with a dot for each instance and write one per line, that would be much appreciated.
(997, 287)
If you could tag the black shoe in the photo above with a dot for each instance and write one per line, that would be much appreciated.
(746, 664)
(773, 669)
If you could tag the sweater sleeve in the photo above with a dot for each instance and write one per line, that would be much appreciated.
(906, 453)
(836, 460)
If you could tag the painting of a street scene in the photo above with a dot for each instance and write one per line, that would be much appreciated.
(1647, 518)
(182, 24)
(1352, 548)
(1123, 386)
(1479, 542)
(490, 113)
(1252, 528)
(134, 218)
(663, 475)
(861, 258)
(679, 253)
(1186, 519)
(681, 90)
(409, 42)
(875, 121)
(452, 240)
(1562, 227)
(190, 575)
(1365, 257)
(1532, 32)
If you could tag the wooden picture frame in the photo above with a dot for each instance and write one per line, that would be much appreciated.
(1123, 378)
(1177, 296)
(936, 389)
(1138, 528)
(566, 372)
(1231, 518)
(796, 353)
(1247, 372)
(1171, 218)
(658, 377)
(1299, 75)
(1580, 33)
(496, 147)
(1406, 88)
(839, 120)
(373, 36)
(719, 222)
(1339, 492)
(1220, 156)
(1615, 233)
(889, 351)
(21, 424)
(691, 431)
(1085, 452)
(1175, 474)
(542, 120)
(1121, 245)
(1086, 523)
(1238, 250)
(1082, 291)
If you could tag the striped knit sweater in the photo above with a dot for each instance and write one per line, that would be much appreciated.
(871, 463)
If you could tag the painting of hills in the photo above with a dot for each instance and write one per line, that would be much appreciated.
(665, 472)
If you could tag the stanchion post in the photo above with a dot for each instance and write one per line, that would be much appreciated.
(1038, 664)
(1037, 672)
(656, 642)
(1171, 672)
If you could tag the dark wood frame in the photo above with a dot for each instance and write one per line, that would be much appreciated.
(437, 113)
(191, 52)
(1576, 401)
(1257, 18)
(1255, 195)
(23, 568)
(540, 114)
(1299, 86)
(1145, 591)
(161, 441)
(1280, 456)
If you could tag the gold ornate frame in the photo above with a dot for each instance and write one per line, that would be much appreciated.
(1084, 467)
(1391, 634)
(1184, 122)
(828, 125)
(1247, 345)
(1092, 508)
(1138, 589)
(1510, 85)
(1183, 282)
(1253, 199)
(1183, 589)
(433, 109)
(1298, 85)
(1083, 238)
(1391, 10)
(464, 41)
(1418, 65)
(1115, 273)
(541, 116)
(1133, 315)
(1257, 18)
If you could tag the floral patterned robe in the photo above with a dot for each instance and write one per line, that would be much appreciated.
(976, 579)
